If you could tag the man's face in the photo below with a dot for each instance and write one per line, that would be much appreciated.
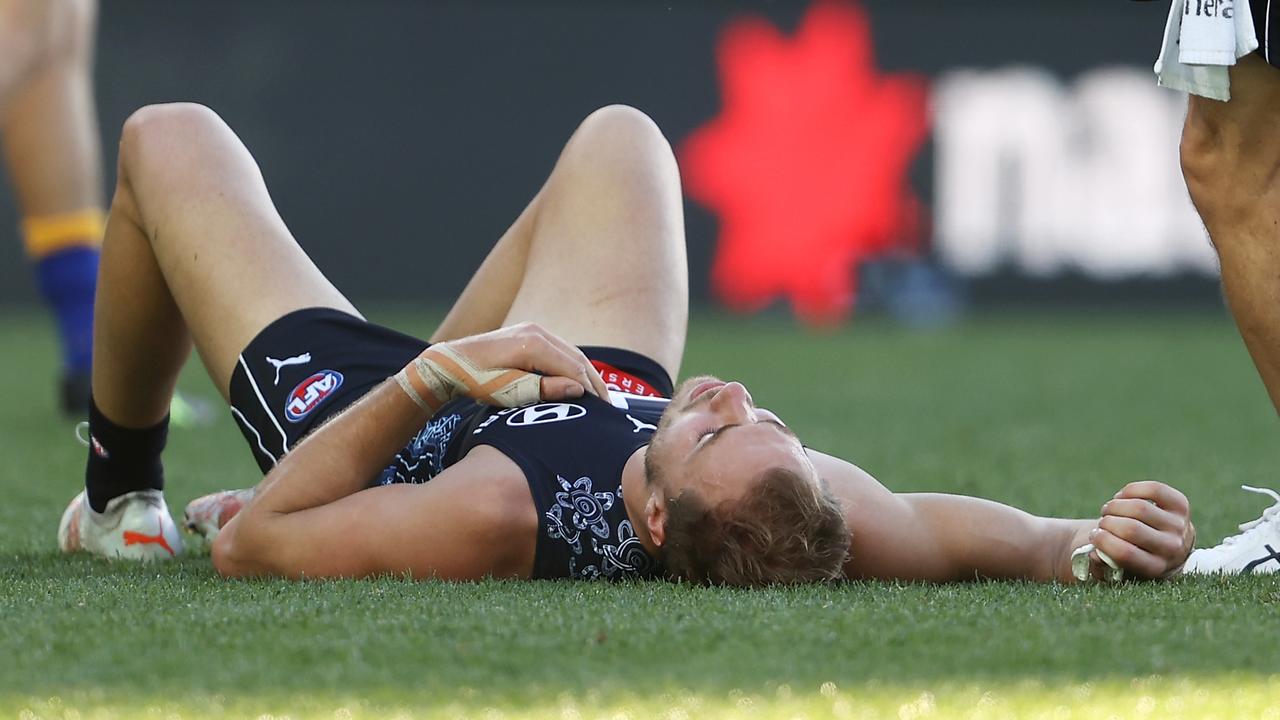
(713, 438)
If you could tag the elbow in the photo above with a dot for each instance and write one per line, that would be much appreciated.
(225, 556)
(233, 557)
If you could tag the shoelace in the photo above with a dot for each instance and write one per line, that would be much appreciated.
(82, 426)
(1268, 515)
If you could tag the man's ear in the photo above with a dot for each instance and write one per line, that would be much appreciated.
(655, 517)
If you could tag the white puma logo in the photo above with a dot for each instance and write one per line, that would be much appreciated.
(640, 425)
(302, 359)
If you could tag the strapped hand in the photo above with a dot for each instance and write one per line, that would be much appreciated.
(514, 366)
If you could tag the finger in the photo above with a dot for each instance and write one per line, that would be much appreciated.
(1162, 544)
(588, 376)
(543, 355)
(560, 388)
(1128, 556)
(1167, 497)
(1145, 511)
(597, 382)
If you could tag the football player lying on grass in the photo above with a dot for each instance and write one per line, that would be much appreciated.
(497, 449)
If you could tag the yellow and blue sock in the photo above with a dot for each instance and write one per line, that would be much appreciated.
(64, 250)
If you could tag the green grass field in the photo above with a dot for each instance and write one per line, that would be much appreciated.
(1050, 412)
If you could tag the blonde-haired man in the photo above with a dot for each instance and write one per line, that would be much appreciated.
(531, 437)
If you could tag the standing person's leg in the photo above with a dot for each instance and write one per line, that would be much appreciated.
(194, 250)
(50, 132)
(598, 257)
(1231, 162)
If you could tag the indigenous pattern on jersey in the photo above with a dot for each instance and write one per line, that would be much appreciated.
(572, 455)
(309, 365)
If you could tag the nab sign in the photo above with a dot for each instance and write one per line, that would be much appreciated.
(1044, 177)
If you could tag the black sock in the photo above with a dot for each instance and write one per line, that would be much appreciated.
(122, 460)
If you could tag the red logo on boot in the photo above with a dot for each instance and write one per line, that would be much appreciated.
(133, 537)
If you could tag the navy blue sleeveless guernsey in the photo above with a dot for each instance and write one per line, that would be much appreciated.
(572, 455)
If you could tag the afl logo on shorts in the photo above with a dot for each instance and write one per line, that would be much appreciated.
(545, 413)
(310, 393)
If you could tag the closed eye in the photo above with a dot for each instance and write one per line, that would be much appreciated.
(713, 434)
(719, 432)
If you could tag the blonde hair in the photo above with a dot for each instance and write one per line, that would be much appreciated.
(785, 529)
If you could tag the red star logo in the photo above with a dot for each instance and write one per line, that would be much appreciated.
(806, 164)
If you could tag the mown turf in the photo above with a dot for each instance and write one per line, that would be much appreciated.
(1050, 412)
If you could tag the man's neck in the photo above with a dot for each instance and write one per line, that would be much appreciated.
(635, 495)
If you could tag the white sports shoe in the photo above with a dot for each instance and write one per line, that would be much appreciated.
(208, 514)
(135, 526)
(1255, 550)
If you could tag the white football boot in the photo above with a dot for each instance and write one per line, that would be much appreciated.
(207, 515)
(1255, 550)
(135, 526)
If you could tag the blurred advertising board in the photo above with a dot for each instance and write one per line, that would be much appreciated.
(833, 152)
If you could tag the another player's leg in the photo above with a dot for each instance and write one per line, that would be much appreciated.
(50, 132)
(194, 251)
(1231, 162)
(598, 256)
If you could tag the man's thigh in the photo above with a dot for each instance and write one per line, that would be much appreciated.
(599, 256)
(227, 258)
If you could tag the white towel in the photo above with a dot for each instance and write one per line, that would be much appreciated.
(1202, 38)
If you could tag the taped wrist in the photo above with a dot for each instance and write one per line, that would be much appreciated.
(441, 374)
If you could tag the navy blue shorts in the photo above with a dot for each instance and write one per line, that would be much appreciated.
(310, 364)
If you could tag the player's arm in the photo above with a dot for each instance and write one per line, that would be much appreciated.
(939, 538)
(312, 515)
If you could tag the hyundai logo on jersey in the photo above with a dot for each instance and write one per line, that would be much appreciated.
(310, 393)
(546, 413)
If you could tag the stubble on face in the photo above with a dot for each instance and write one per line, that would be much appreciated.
(680, 401)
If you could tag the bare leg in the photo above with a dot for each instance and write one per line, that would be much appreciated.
(50, 126)
(194, 250)
(598, 256)
(51, 149)
(1231, 162)
(24, 39)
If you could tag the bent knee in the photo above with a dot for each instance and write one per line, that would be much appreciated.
(167, 122)
(156, 131)
(1213, 176)
(620, 120)
(1203, 155)
(621, 128)
(619, 137)
(1231, 163)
